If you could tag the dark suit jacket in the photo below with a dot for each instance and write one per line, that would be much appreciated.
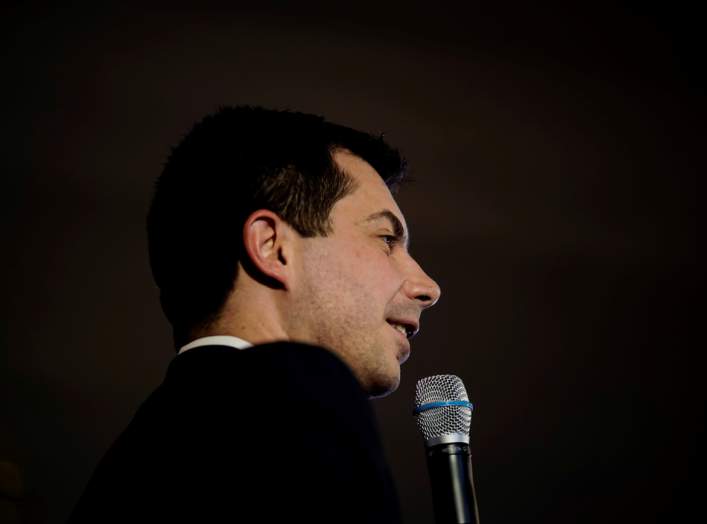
(277, 432)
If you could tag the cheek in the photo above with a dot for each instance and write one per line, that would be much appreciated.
(377, 271)
(364, 272)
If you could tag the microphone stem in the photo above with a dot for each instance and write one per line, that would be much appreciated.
(453, 493)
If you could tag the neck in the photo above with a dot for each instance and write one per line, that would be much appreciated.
(252, 316)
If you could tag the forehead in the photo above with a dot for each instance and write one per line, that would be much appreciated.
(370, 195)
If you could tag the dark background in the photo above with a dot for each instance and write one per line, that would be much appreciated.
(556, 155)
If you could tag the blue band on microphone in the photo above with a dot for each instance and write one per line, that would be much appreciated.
(432, 405)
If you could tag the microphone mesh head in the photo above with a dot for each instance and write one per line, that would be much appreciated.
(435, 422)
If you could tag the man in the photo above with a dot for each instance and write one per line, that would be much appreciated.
(283, 266)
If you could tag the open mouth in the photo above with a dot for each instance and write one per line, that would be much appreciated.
(404, 328)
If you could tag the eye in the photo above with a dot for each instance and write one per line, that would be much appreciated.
(390, 240)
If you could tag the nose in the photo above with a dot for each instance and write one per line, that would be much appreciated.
(420, 287)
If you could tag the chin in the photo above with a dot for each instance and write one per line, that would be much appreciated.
(383, 386)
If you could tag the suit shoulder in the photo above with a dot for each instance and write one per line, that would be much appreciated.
(264, 368)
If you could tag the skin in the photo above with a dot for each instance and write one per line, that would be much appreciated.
(337, 291)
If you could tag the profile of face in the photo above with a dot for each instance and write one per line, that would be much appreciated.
(359, 292)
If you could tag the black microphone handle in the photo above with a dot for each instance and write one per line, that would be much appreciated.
(451, 477)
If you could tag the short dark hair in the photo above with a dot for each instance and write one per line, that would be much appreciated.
(230, 164)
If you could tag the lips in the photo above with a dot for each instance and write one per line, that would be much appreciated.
(403, 349)
(410, 326)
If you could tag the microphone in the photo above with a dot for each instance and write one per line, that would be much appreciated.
(443, 415)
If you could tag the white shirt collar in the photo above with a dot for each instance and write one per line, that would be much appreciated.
(220, 340)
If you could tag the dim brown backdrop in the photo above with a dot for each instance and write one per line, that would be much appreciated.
(556, 155)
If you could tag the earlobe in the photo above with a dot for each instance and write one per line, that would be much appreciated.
(265, 239)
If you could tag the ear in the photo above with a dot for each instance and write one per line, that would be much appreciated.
(267, 242)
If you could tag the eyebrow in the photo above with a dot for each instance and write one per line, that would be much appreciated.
(395, 223)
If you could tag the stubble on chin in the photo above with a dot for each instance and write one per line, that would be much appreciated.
(384, 386)
(376, 372)
(368, 361)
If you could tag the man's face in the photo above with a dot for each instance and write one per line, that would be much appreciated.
(354, 284)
